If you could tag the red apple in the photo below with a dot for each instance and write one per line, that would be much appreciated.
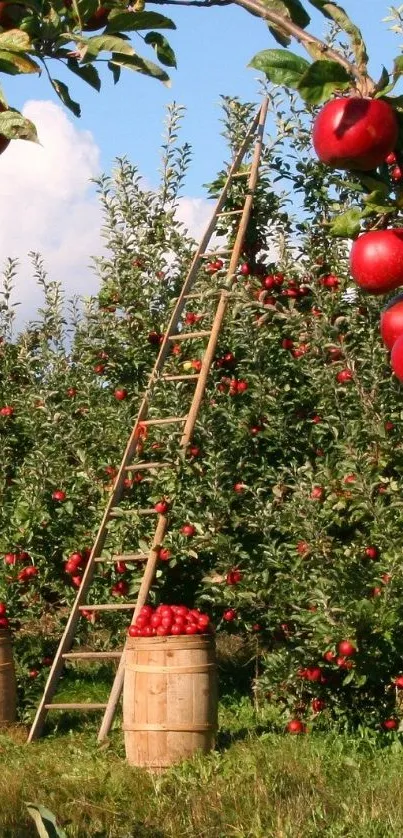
(188, 530)
(120, 588)
(317, 705)
(346, 648)
(234, 576)
(296, 726)
(354, 133)
(229, 615)
(7, 410)
(396, 358)
(376, 260)
(396, 174)
(398, 682)
(390, 724)
(391, 159)
(71, 392)
(161, 507)
(329, 656)
(59, 496)
(245, 270)
(391, 324)
(239, 488)
(164, 555)
(3, 609)
(343, 376)
(372, 552)
(317, 493)
(120, 394)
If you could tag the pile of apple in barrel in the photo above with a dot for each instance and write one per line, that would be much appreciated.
(360, 134)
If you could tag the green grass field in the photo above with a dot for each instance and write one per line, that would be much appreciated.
(257, 784)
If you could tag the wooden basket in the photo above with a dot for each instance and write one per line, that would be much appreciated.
(8, 684)
(169, 699)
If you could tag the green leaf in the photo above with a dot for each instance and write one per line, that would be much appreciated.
(15, 126)
(63, 94)
(115, 70)
(87, 73)
(334, 12)
(141, 65)
(280, 66)
(15, 40)
(383, 81)
(45, 822)
(14, 63)
(135, 21)
(165, 53)
(292, 10)
(105, 43)
(321, 79)
(347, 225)
(280, 37)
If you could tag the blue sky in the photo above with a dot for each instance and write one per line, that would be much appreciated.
(213, 47)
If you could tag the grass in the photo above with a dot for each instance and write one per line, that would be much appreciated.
(258, 784)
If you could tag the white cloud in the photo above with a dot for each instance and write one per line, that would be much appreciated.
(49, 206)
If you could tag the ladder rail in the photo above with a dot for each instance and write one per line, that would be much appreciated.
(190, 420)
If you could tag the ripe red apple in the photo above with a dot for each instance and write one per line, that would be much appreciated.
(296, 726)
(302, 548)
(343, 376)
(234, 576)
(99, 369)
(120, 588)
(188, 530)
(354, 133)
(161, 507)
(390, 724)
(398, 682)
(396, 174)
(164, 555)
(3, 609)
(372, 552)
(10, 558)
(389, 426)
(7, 410)
(245, 270)
(59, 496)
(396, 358)
(287, 343)
(71, 392)
(346, 648)
(391, 325)
(120, 567)
(391, 158)
(229, 615)
(317, 493)
(317, 705)
(4, 623)
(120, 394)
(329, 656)
(376, 260)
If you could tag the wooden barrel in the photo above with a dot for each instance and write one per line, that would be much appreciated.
(8, 684)
(169, 699)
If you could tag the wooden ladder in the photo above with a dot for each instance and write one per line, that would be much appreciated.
(188, 422)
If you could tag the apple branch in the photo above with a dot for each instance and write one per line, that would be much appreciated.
(364, 84)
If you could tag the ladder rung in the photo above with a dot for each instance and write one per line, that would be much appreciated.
(75, 706)
(129, 557)
(167, 421)
(123, 512)
(190, 335)
(213, 253)
(242, 174)
(179, 377)
(140, 466)
(91, 655)
(230, 212)
(111, 606)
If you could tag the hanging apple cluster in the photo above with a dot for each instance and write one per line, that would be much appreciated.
(361, 134)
